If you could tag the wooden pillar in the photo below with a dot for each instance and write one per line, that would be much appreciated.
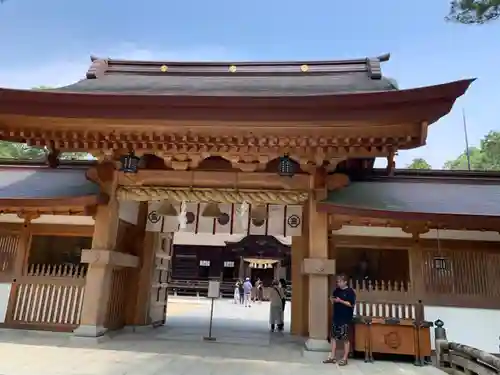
(144, 282)
(300, 287)
(317, 266)
(415, 267)
(332, 255)
(241, 271)
(277, 270)
(101, 260)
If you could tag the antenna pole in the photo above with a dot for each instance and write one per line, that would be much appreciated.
(466, 139)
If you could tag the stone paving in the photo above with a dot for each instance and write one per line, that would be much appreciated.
(243, 347)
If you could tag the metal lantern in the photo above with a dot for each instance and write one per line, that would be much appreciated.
(286, 166)
(129, 163)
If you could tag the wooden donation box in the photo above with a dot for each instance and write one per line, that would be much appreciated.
(392, 336)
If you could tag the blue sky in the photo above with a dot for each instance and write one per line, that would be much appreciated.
(48, 42)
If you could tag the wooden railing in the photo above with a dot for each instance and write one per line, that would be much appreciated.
(48, 297)
(198, 288)
(380, 290)
(456, 358)
(387, 309)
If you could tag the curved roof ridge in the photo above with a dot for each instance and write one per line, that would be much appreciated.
(106, 66)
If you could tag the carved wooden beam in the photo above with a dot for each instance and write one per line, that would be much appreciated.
(102, 142)
(410, 227)
(213, 179)
(103, 175)
(28, 216)
(416, 229)
(337, 181)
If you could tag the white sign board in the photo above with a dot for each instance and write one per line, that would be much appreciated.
(213, 289)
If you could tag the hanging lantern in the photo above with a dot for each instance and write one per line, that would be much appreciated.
(286, 166)
(212, 210)
(167, 209)
(129, 163)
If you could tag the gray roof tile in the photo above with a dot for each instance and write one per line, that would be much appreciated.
(23, 182)
(474, 199)
(192, 85)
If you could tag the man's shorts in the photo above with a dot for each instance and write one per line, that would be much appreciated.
(340, 332)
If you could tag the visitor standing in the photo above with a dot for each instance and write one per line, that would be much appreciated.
(260, 290)
(247, 289)
(277, 306)
(236, 292)
(343, 299)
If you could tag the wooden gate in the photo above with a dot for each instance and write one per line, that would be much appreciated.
(160, 278)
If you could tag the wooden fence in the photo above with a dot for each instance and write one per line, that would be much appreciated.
(456, 358)
(8, 250)
(47, 297)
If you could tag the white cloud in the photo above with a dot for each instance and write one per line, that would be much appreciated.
(64, 71)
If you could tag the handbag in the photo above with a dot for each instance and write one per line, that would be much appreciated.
(283, 299)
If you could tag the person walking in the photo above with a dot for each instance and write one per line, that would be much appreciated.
(344, 300)
(236, 292)
(276, 307)
(247, 290)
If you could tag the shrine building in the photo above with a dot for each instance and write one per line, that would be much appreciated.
(271, 164)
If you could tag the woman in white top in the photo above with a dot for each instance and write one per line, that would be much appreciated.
(276, 298)
(236, 292)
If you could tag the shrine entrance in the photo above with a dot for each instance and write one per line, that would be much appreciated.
(186, 316)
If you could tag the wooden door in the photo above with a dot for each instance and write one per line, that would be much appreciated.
(160, 278)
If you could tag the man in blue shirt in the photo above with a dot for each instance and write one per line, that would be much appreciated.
(247, 289)
(343, 299)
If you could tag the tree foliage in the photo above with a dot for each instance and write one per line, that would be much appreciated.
(13, 151)
(486, 157)
(474, 11)
(20, 151)
(419, 163)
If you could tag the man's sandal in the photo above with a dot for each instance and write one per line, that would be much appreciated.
(343, 362)
(330, 360)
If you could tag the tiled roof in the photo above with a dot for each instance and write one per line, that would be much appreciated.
(234, 79)
(44, 183)
(232, 85)
(420, 197)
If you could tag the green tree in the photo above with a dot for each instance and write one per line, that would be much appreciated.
(486, 157)
(21, 151)
(490, 149)
(419, 163)
(474, 11)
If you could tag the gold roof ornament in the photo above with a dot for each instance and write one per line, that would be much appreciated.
(304, 68)
(167, 209)
(164, 68)
(232, 69)
(212, 210)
